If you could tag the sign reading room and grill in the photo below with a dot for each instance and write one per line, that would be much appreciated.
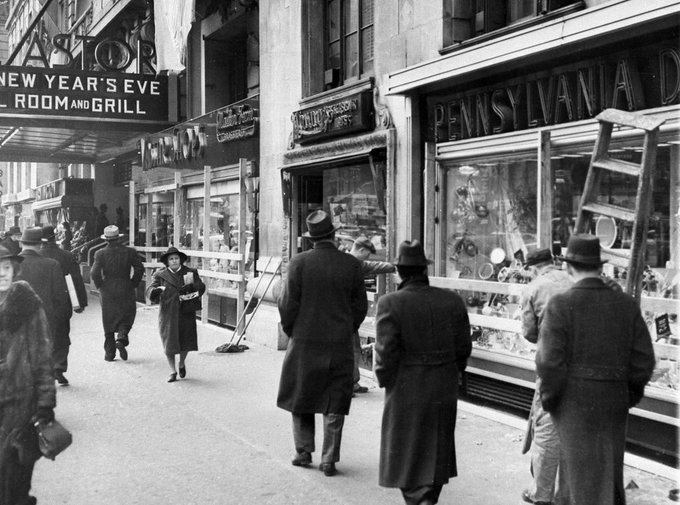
(75, 95)
(334, 118)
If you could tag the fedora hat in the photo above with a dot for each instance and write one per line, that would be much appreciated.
(363, 241)
(14, 230)
(173, 250)
(538, 256)
(319, 225)
(32, 235)
(6, 255)
(48, 232)
(583, 249)
(411, 254)
(111, 233)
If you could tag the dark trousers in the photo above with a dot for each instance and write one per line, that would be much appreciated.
(416, 495)
(303, 435)
(15, 478)
(356, 347)
(61, 345)
(110, 344)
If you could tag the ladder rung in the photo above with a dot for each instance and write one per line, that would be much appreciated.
(617, 257)
(614, 211)
(636, 120)
(624, 167)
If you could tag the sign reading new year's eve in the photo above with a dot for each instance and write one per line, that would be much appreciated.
(36, 93)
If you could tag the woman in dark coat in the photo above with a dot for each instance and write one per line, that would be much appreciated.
(27, 393)
(422, 345)
(176, 320)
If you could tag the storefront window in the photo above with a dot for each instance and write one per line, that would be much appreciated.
(141, 224)
(163, 221)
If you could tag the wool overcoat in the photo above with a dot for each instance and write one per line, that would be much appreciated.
(322, 302)
(26, 376)
(422, 344)
(116, 272)
(45, 277)
(177, 329)
(594, 358)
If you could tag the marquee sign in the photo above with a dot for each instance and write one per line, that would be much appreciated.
(334, 118)
(637, 79)
(77, 95)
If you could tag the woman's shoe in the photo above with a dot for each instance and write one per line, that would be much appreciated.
(172, 377)
(183, 371)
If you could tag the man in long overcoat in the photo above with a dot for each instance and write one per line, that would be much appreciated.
(594, 358)
(422, 345)
(45, 277)
(111, 275)
(322, 302)
(62, 328)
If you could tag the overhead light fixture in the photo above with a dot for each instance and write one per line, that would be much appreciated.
(8, 136)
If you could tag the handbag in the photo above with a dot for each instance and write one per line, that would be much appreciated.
(53, 438)
(189, 301)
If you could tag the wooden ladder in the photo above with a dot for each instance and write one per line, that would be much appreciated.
(632, 259)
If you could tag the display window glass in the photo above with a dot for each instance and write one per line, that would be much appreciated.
(141, 224)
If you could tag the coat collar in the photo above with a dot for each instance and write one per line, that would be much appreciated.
(28, 252)
(591, 283)
(174, 279)
(324, 245)
(414, 282)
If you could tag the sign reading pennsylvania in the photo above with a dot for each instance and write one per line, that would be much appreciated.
(238, 120)
(76, 95)
(334, 118)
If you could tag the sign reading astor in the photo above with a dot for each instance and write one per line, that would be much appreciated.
(334, 118)
(82, 95)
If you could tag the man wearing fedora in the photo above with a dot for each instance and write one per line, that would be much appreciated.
(111, 274)
(594, 358)
(422, 345)
(62, 328)
(323, 301)
(362, 248)
(541, 436)
(11, 240)
(45, 277)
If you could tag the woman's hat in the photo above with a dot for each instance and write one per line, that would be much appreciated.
(173, 250)
(6, 255)
(14, 230)
(538, 256)
(111, 233)
(48, 232)
(319, 224)
(583, 249)
(32, 235)
(411, 254)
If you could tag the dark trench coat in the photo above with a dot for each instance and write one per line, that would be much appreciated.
(594, 358)
(116, 272)
(177, 329)
(322, 302)
(422, 344)
(26, 377)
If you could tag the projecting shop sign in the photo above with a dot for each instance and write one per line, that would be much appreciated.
(77, 95)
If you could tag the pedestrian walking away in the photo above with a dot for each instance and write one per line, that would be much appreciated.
(422, 345)
(62, 324)
(594, 358)
(27, 393)
(116, 273)
(11, 240)
(362, 248)
(323, 301)
(178, 289)
(541, 436)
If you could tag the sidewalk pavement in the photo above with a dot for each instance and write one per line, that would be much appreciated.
(218, 438)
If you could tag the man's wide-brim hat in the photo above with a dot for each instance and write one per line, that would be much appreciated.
(173, 250)
(319, 225)
(14, 230)
(48, 232)
(411, 254)
(583, 249)
(33, 235)
(538, 256)
(6, 255)
(111, 233)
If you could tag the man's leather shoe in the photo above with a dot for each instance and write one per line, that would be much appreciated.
(109, 357)
(122, 351)
(302, 459)
(328, 469)
(360, 389)
(61, 379)
(527, 498)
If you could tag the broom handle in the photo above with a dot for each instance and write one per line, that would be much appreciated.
(259, 301)
(243, 314)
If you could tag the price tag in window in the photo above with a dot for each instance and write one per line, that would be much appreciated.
(663, 329)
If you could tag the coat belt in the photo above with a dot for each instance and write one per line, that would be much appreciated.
(428, 358)
(599, 373)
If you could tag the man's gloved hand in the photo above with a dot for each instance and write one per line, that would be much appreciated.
(44, 415)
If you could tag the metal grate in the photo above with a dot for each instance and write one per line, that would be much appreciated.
(496, 391)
